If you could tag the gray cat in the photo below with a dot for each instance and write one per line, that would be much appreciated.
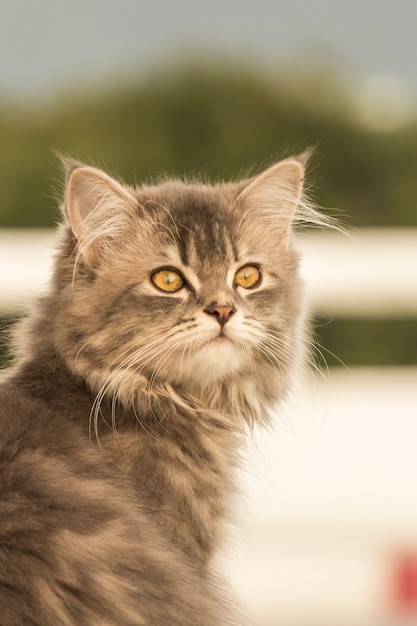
(171, 324)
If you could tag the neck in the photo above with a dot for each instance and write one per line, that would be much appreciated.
(181, 458)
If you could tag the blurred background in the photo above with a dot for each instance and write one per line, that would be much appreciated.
(330, 519)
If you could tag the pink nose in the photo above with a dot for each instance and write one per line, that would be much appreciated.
(222, 313)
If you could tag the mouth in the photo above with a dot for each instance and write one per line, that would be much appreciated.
(221, 338)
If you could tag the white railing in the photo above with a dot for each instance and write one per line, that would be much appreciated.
(371, 272)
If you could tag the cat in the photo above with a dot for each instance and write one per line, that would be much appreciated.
(170, 327)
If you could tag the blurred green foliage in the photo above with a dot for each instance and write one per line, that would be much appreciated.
(218, 123)
(365, 342)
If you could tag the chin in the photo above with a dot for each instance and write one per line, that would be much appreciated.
(212, 363)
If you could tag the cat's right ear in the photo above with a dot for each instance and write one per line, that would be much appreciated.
(274, 195)
(99, 210)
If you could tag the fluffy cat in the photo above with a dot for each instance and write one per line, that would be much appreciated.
(171, 324)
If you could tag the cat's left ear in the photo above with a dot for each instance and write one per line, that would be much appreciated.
(274, 194)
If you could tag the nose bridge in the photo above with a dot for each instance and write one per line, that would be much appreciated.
(219, 302)
(217, 293)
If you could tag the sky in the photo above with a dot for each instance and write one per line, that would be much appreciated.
(48, 46)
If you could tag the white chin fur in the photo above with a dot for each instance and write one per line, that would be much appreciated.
(210, 363)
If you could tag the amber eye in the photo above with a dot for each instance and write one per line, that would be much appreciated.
(168, 280)
(248, 277)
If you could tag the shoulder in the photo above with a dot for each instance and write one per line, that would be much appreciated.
(26, 422)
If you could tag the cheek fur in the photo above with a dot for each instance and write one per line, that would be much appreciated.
(153, 304)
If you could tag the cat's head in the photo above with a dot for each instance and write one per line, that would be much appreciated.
(186, 284)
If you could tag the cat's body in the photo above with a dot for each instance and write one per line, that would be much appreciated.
(172, 322)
